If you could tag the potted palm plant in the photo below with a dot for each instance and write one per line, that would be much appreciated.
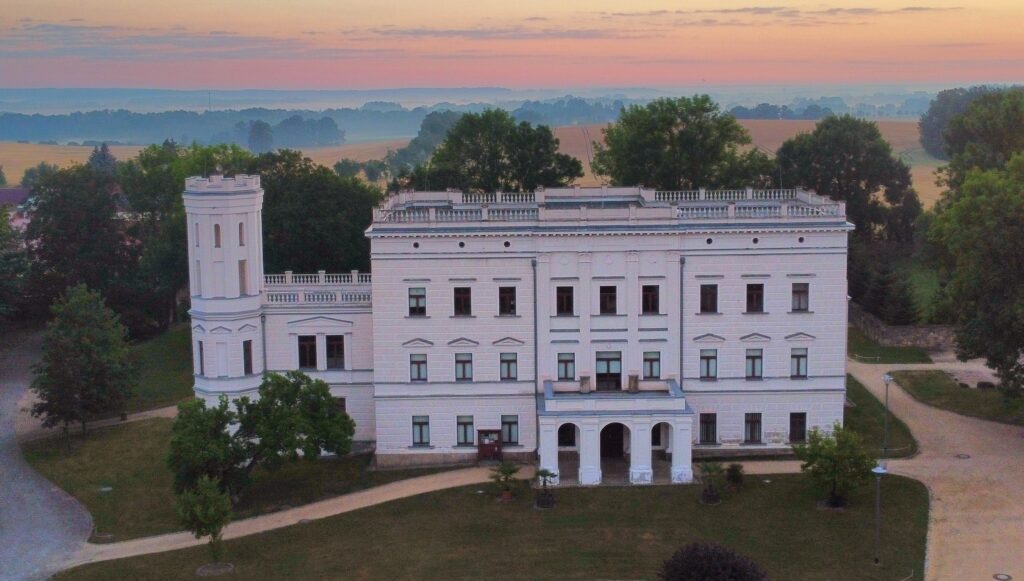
(545, 499)
(711, 474)
(504, 475)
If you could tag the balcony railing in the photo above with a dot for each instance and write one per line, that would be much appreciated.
(319, 279)
(353, 297)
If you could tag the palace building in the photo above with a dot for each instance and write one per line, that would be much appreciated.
(603, 333)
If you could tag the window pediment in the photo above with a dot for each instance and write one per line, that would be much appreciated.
(319, 322)
(462, 342)
(755, 337)
(801, 336)
(709, 338)
(508, 341)
(418, 342)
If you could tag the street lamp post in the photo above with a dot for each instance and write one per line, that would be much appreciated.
(878, 471)
(885, 436)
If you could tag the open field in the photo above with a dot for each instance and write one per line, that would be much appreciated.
(592, 533)
(938, 389)
(575, 140)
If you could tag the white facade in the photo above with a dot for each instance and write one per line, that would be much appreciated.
(573, 322)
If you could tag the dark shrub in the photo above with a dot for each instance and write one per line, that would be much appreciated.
(710, 562)
(734, 475)
(986, 385)
(964, 385)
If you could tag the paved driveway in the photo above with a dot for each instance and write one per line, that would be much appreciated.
(40, 524)
(976, 522)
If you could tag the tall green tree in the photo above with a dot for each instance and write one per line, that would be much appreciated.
(76, 237)
(13, 267)
(204, 511)
(313, 219)
(102, 161)
(347, 168)
(944, 107)
(261, 137)
(837, 462)
(986, 135)
(34, 174)
(294, 418)
(3, 177)
(490, 152)
(981, 234)
(675, 144)
(86, 370)
(433, 130)
(848, 160)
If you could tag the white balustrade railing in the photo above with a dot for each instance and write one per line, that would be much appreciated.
(512, 214)
(319, 297)
(479, 198)
(702, 212)
(446, 215)
(319, 279)
(518, 197)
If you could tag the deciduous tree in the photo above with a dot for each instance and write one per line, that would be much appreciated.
(86, 370)
(945, 106)
(837, 462)
(986, 135)
(675, 144)
(13, 267)
(204, 511)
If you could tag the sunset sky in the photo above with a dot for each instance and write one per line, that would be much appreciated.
(519, 43)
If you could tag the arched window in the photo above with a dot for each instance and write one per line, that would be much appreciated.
(216, 235)
(241, 234)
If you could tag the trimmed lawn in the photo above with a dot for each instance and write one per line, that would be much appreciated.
(130, 458)
(863, 348)
(937, 388)
(165, 370)
(867, 418)
(593, 533)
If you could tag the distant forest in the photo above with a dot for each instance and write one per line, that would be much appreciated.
(376, 120)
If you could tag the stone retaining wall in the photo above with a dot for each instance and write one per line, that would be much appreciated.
(930, 337)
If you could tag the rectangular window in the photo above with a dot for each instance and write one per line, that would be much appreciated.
(418, 367)
(510, 430)
(752, 429)
(652, 365)
(307, 351)
(563, 301)
(801, 297)
(709, 298)
(197, 234)
(608, 300)
(609, 370)
(755, 298)
(464, 430)
(202, 359)
(417, 302)
(507, 300)
(566, 366)
(340, 405)
(650, 299)
(463, 367)
(335, 352)
(216, 235)
(798, 427)
(509, 366)
(754, 363)
(241, 234)
(708, 363)
(798, 363)
(243, 278)
(709, 428)
(247, 357)
(199, 278)
(463, 301)
(421, 430)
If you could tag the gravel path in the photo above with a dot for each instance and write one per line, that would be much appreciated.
(40, 524)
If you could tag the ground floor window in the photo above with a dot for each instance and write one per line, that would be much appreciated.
(339, 404)
(798, 427)
(465, 430)
(421, 430)
(567, 435)
(510, 430)
(752, 428)
(709, 428)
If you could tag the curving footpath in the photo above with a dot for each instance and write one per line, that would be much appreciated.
(39, 523)
(976, 520)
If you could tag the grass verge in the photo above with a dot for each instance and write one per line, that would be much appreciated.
(867, 417)
(592, 533)
(130, 459)
(937, 388)
(165, 370)
(862, 348)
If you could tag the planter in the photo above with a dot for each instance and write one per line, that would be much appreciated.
(710, 497)
(506, 496)
(215, 569)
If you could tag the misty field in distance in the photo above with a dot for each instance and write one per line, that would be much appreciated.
(575, 140)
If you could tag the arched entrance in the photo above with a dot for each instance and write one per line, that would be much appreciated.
(569, 453)
(615, 453)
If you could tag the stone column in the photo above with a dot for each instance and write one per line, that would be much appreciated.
(590, 452)
(640, 470)
(682, 465)
(548, 447)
